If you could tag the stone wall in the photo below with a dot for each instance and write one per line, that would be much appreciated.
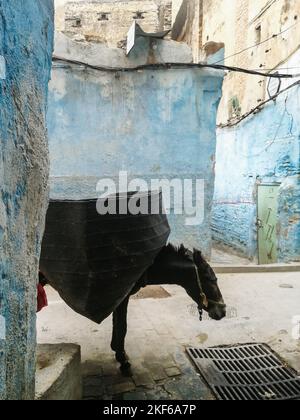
(26, 30)
(108, 21)
(241, 24)
(187, 24)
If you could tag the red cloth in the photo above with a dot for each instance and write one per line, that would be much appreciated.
(42, 300)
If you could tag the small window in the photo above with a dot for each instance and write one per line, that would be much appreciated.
(103, 16)
(75, 22)
(139, 15)
(258, 37)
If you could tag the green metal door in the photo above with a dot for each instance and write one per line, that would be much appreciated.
(267, 223)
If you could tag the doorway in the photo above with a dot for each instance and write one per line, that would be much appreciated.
(267, 220)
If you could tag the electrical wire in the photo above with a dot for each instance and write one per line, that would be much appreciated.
(169, 66)
(280, 68)
(259, 107)
(258, 44)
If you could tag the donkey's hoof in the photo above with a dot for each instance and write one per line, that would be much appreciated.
(125, 369)
(122, 358)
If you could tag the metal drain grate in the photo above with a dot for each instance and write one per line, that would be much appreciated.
(246, 372)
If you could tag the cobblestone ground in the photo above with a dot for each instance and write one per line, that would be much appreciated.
(170, 377)
(261, 309)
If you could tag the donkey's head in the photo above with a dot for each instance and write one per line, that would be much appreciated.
(213, 299)
(202, 285)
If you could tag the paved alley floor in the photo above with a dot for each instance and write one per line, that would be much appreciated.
(261, 308)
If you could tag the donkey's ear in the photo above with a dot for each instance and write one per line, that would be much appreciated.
(182, 250)
(185, 253)
(198, 257)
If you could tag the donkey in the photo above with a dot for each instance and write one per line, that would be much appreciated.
(178, 266)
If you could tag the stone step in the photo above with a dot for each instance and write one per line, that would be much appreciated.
(252, 268)
(58, 372)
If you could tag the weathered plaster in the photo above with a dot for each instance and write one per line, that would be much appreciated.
(263, 149)
(26, 30)
(241, 24)
(108, 21)
(153, 124)
(187, 24)
(144, 52)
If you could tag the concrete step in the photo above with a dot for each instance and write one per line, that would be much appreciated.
(58, 374)
(253, 268)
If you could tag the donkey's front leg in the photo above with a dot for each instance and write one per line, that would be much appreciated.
(119, 334)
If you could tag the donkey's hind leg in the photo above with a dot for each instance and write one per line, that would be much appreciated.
(119, 334)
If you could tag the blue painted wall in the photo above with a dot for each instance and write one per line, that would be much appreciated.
(26, 29)
(265, 148)
(153, 124)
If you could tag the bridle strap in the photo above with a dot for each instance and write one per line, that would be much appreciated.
(205, 300)
(213, 302)
(203, 296)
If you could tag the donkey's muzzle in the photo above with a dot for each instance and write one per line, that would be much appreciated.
(217, 311)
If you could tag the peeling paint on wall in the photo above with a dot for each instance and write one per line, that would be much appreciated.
(152, 124)
(263, 149)
(2, 328)
(2, 68)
